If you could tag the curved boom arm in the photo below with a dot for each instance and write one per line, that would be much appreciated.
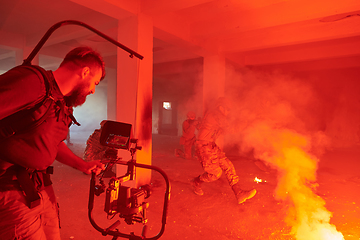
(74, 22)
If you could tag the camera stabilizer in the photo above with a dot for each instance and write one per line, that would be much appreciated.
(125, 201)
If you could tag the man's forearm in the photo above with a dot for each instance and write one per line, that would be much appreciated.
(66, 156)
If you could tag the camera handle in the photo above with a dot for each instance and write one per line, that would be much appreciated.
(115, 233)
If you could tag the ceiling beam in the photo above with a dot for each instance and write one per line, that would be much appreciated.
(11, 40)
(301, 52)
(235, 21)
(10, 54)
(117, 9)
(160, 7)
(290, 34)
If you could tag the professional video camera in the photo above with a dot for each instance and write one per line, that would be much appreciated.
(128, 202)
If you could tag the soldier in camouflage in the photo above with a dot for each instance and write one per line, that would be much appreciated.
(94, 150)
(188, 137)
(211, 157)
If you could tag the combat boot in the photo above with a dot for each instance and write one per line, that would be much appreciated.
(196, 185)
(242, 195)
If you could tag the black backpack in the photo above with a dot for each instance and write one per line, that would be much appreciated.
(28, 119)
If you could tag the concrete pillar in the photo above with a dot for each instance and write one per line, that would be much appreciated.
(111, 93)
(134, 89)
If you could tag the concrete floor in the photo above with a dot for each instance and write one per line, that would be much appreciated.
(215, 215)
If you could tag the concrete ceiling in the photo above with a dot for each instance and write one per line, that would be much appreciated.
(249, 33)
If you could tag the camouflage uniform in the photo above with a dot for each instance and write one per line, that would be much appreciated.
(211, 157)
(188, 137)
(214, 162)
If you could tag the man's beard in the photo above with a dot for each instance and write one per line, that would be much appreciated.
(77, 96)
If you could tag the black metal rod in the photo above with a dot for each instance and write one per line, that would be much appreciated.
(74, 22)
(91, 203)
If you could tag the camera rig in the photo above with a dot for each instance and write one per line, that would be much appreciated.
(126, 201)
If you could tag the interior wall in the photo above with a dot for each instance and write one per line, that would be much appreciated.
(183, 87)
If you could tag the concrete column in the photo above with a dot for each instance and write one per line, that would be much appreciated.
(134, 89)
(111, 94)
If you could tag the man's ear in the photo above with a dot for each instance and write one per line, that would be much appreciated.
(85, 72)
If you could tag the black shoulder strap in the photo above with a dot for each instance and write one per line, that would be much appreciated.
(41, 74)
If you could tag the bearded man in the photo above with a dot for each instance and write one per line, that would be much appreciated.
(35, 116)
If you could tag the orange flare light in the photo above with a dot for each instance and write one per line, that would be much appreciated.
(258, 180)
(289, 152)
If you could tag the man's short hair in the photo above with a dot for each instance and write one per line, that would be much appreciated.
(85, 56)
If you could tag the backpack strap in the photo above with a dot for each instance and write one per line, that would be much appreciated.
(39, 70)
(29, 118)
